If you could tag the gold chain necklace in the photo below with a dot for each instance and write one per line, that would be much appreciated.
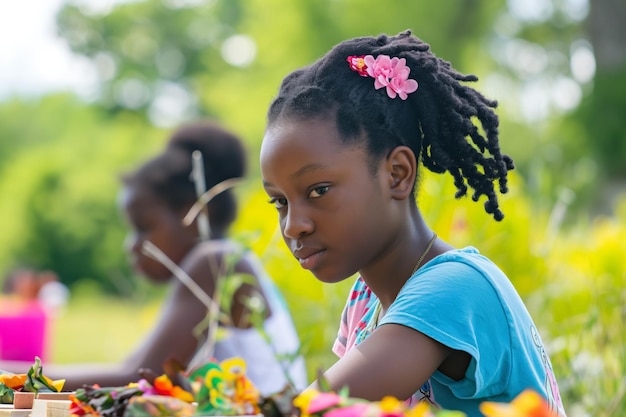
(419, 261)
(374, 320)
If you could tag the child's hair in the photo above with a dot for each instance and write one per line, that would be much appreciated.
(21, 281)
(435, 121)
(168, 175)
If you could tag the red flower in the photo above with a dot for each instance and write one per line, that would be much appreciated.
(357, 63)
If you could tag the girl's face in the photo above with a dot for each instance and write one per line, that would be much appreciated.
(151, 219)
(333, 213)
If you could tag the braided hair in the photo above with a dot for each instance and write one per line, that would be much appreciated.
(168, 175)
(436, 122)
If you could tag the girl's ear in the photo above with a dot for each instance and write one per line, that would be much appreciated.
(402, 167)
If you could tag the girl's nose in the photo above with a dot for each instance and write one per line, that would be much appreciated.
(132, 244)
(296, 223)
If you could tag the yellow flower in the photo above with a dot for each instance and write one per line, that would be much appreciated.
(233, 368)
(391, 405)
(214, 379)
(303, 400)
(57, 383)
(421, 409)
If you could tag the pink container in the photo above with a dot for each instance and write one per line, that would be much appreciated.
(23, 330)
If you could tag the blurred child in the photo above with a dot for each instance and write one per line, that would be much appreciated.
(155, 197)
(22, 283)
(30, 300)
(24, 319)
(30, 285)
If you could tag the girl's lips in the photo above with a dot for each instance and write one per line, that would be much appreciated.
(310, 260)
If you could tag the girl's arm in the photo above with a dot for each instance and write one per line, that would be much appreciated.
(394, 360)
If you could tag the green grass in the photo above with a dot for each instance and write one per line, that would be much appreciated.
(93, 328)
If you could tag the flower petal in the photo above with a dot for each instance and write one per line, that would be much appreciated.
(354, 410)
(323, 401)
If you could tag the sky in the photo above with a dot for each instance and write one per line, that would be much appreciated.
(33, 58)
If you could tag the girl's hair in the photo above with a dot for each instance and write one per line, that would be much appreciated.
(168, 175)
(436, 121)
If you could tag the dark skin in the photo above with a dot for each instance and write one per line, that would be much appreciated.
(172, 336)
(339, 219)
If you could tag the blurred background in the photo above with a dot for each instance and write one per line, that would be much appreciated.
(88, 88)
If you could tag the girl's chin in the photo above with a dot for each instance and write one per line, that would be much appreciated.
(158, 278)
(329, 278)
(153, 275)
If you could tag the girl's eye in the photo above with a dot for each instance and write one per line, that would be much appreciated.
(278, 202)
(319, 191)
(140, 227)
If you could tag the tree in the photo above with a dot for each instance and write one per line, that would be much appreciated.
(178, 59)
(603, 112)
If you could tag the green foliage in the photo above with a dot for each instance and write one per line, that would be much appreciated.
(6, 394)
(602, 115)
(140, 47)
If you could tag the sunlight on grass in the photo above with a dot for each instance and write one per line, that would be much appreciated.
(93, 328)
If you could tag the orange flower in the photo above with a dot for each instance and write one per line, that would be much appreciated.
(79, 408)
(13, 381)
(163, 386)
(527, 404)
(181, 394)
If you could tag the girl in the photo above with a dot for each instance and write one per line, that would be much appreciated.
(339, 160)
(155, 198)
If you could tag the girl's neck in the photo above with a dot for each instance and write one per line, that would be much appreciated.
(217, 233)
(388, 274)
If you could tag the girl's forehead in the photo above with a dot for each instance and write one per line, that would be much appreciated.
(317, 136)
(137, 196)
(296, 150)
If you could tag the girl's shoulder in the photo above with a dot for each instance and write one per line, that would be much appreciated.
(463, 271)
(468, 258)
(465, 253)
(215, 250)
(224, 256)
(218, 246)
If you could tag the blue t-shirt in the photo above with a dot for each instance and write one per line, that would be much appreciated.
(464, 301)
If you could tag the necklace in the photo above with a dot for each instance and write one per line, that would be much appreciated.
(374, 320)
(419, 261)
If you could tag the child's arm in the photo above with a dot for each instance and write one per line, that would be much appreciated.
(172, 336)
(394, 360)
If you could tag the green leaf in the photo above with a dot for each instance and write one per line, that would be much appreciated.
(6, 394)
(35, 381)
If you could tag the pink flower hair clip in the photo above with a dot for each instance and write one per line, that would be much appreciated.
(391, 73)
